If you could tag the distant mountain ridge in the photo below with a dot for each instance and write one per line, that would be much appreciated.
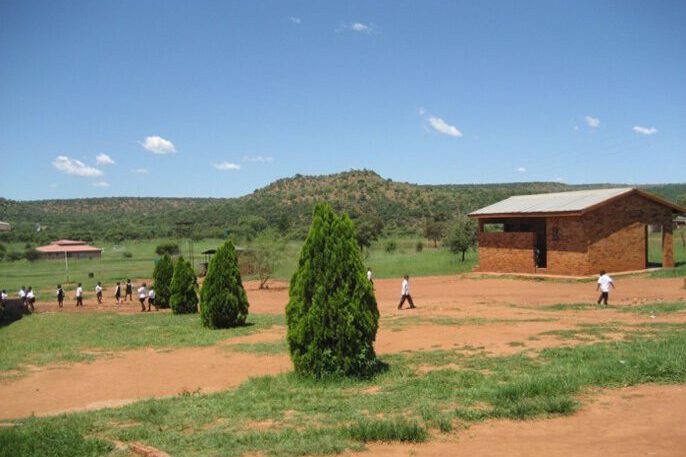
(285, 205)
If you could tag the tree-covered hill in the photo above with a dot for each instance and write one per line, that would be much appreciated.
(285, 205)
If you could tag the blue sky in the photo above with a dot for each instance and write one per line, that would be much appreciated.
(220, 98)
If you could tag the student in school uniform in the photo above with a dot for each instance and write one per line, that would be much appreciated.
(141, 296)
(3, 297)
(117, 293)
(79, 296)
(604, 283)
(370, 275)
(129, 291)
(22, 296)
(151, 299)
(98, 292)
(60, 296)
(30, 299)
(405, 293)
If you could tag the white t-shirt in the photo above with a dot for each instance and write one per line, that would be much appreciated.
(605, 281)
(98, 289)
(405, 288)
(369, 275)
(141, 292)
(3, 296)
(22, 294)
(30, 294)
(79, 291)
(151, 294)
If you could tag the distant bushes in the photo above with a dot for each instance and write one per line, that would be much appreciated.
(169, 248)
(31, 255)
(390, 246)
(127, 254)
(419, 247)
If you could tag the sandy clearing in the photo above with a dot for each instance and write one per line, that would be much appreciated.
(645, 420)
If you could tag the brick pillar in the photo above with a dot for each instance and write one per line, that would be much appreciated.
(667, 246)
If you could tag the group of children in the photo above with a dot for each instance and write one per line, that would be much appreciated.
(143, 294)
(26, 296)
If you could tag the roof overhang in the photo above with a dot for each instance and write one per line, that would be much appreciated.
(5, 227)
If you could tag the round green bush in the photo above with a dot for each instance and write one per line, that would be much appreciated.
(332, 314)
(184, 286)
(223, 302)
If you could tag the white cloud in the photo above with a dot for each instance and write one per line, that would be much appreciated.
(520, 170)
(101, 184)
(443, 127)
(75, 167)
(225, 166)
(644, 130)
(104, 159)
(261, 159)
(592, 122)
(294, 19)
(140, 171)
(358, 27)
(421, 111)
(158, 145)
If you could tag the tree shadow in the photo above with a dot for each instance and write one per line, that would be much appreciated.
(13, 311)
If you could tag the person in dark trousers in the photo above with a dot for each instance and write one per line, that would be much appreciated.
(79, 296)
(129, 290)
(370, 275)
(604, 283)
(117, 293)
(98, 292)
(142, 294)
(60, 296)
(3, 297)
(22, 296)
(405, 293)
(151, 299)
(30, 299)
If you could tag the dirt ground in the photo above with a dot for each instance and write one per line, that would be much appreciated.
(499, 316)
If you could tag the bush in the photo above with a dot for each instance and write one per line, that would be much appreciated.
(13, 256)
(461, 236)
(391, 246)
(183, 288)
(127, 254)
(168, 248)
(223, 302)
(419, 247)
(31, 255)
(331, 314)
(162, 278)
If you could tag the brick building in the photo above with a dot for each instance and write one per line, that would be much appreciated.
(71, 248)
(573, 233)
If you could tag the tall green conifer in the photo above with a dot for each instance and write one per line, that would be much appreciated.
(223, 302)
(184, 286)
(162, 278)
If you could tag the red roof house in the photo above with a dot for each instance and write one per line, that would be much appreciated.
(71, 248)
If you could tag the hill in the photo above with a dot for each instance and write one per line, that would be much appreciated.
(285, 204)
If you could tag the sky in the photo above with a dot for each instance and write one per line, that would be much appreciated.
(217, 99)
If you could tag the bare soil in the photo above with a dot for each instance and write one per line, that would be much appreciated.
(499, 316)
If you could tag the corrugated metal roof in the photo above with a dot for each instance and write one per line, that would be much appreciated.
(556, 202)
(4, 227)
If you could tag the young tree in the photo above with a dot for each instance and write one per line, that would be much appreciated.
(461, 235)
(223, 302)
(434, 231)
(184, 287)
(332, 314)
(268, 251)
(162, 278)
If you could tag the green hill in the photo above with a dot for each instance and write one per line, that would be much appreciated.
(285, 204)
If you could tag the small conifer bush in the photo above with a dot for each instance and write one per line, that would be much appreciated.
(332, 314)
(184, 285)
(162, 278)
(223, 302)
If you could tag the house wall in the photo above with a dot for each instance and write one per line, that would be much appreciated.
(506, 252)
(567, 244)
(71, 255)
(617, 235)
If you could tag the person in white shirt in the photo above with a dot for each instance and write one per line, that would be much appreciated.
(79, 295)
(98, 292)
(60, 296)
(3, 296)
(151, 298)
(141, 296)
(22, 296)
(405, 293)
(370, 276)
(30, 299)
(604, 283)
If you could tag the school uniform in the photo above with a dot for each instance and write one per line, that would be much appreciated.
(79, 296)
(604, 281)
(60, 297)
(3, 297)
(117, 293)
(151, 299)
(22, 297)
(30, 299)
(405, 294)
(129, 291)
(98, 292)
(141, 296)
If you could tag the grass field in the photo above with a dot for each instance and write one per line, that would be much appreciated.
(285, 415)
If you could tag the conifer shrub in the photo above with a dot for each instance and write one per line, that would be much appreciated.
(223, 302)
(332, 314)
(162, 278)
(184, 286)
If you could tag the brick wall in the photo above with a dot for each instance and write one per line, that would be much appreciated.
(567, 244)
(617, 236)
(506, 252)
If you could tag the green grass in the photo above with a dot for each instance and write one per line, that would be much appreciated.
(658, 308)
(327, 417)
(574, 307)
(41, 339)
(272, 348)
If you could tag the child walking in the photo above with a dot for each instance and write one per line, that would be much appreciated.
(98, 292)
(151, 299)
(30, 299)
(60, 296)
(405, 293)
(117, 293)
(129, 290)
(141, 296)
(604, 283)
(79, 296)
